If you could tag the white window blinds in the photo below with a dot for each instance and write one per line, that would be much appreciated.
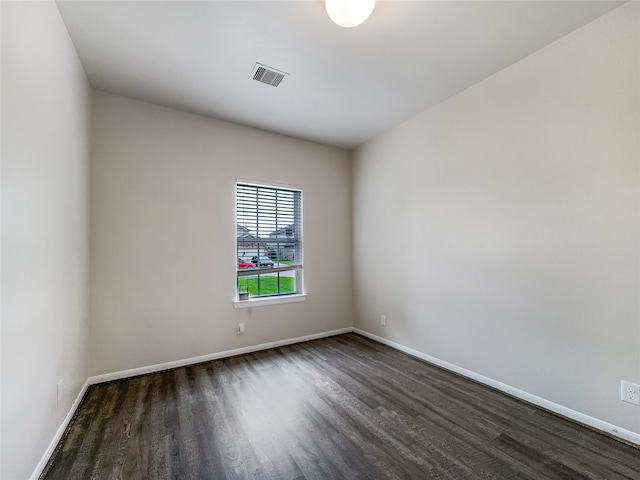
(269, 240)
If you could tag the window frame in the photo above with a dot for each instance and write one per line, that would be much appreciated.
(298, 295)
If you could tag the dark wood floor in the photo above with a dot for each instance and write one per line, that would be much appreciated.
(344, 407)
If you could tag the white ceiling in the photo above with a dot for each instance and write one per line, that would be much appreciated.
(345, 86)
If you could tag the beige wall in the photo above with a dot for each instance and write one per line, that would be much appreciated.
(507, 222)
(45, 203)
(163, 234)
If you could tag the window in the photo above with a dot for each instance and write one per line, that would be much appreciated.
(269, 241)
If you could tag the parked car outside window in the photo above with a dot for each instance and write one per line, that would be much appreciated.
(242, 265)
(262, 261)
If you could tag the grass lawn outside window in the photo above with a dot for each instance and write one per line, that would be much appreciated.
(266, 285)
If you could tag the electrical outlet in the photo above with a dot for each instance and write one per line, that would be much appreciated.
(241, 328)
(383, 320)
(630, 392)
(59, 394)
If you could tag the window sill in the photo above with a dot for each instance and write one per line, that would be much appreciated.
(263, 302)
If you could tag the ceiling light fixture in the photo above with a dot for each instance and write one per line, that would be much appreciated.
(349, 13)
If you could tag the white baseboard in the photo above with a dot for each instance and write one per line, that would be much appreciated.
(591, 422)
(213, 356)
(56, 438)
(619, 432)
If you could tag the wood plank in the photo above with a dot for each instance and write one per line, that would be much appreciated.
(344, 407)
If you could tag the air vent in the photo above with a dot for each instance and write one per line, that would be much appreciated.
(267, 75)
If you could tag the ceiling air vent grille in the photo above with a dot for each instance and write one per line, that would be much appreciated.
(267, 75)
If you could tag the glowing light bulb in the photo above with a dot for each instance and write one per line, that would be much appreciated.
(349, 13)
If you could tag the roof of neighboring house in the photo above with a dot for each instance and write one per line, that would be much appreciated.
(288, 230)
